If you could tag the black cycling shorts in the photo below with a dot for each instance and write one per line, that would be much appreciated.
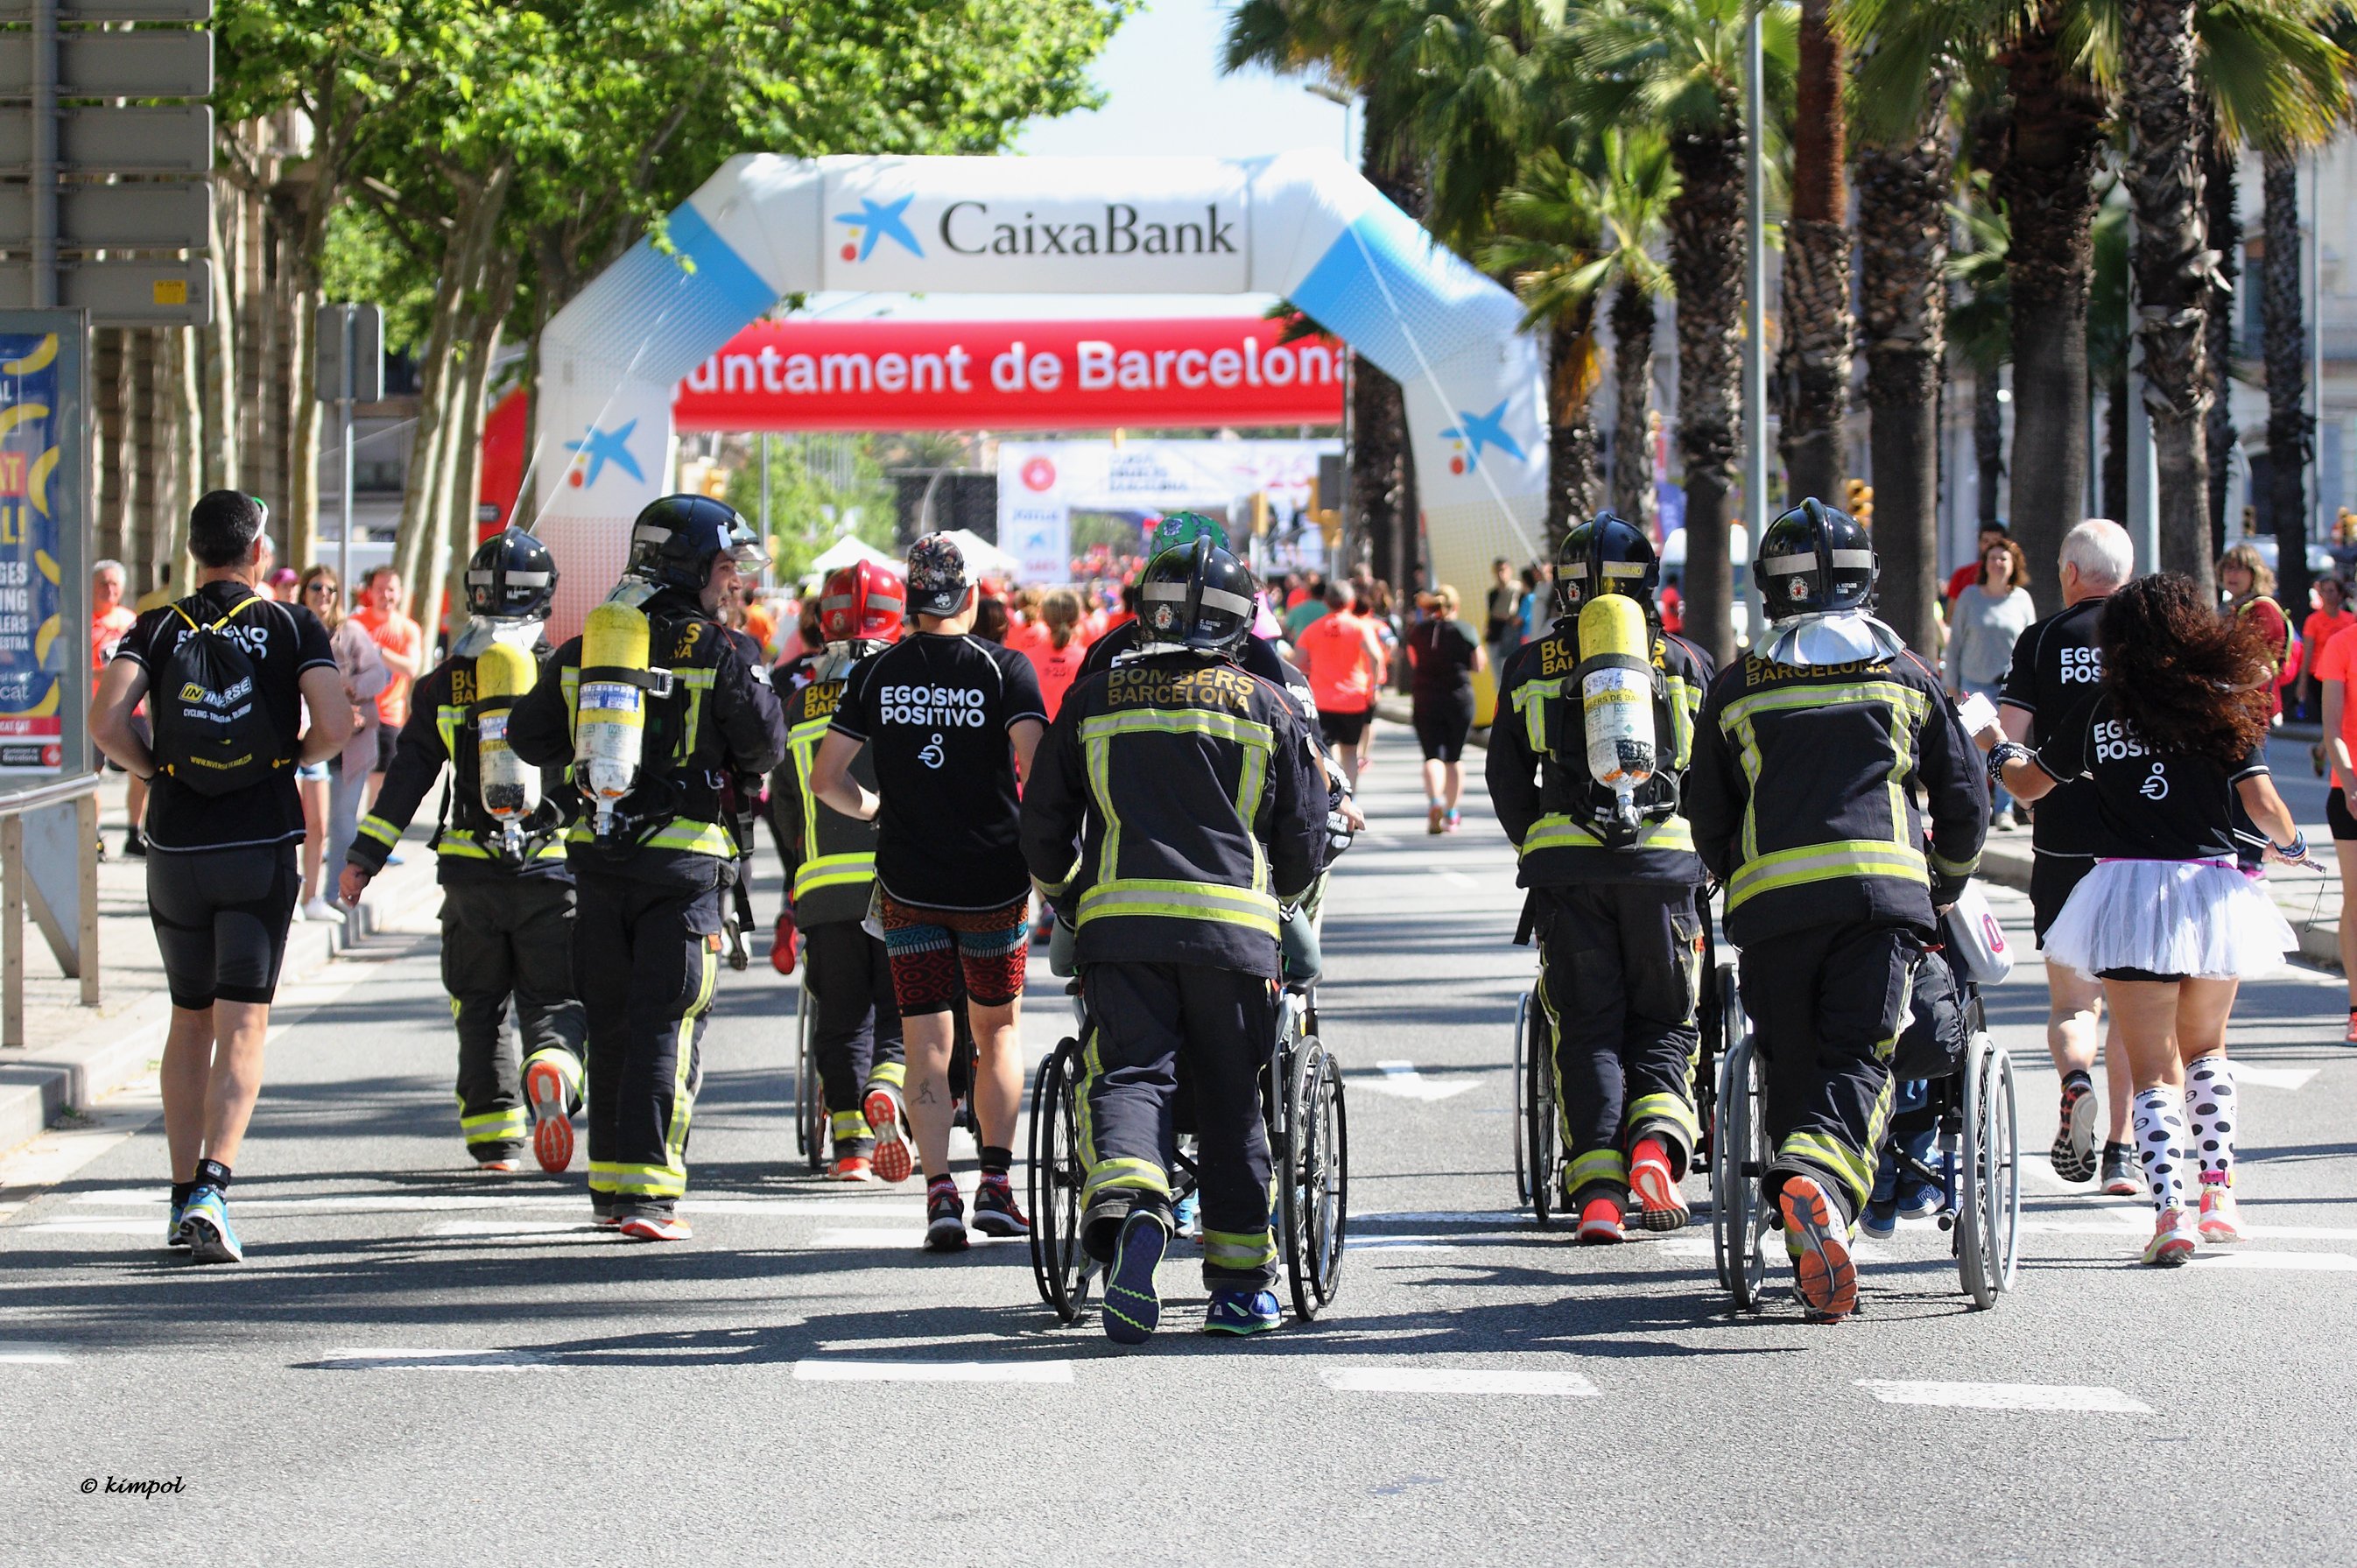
(1442, 724)
(220, 919)
(2150, 977)
(1343, 729)
(2336, 814)
(2051, 878)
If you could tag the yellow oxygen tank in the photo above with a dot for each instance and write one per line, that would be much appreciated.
(1615, 697)
(511, 787)
(610, 718)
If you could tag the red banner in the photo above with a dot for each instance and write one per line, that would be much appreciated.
(1156, 372)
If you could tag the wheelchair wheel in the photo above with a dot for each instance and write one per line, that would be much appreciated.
(809, 1094)
(1059, 1266)
(1522, 1102)
(1535, 1127)
(1313, 1187)
(1988, 1221)
(1739, 1212)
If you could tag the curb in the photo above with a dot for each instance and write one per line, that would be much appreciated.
(39, 1083)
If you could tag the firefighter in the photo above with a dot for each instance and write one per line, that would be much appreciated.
(1613, 889)
(507, 891)
(1809, 757)
(655, 707)
(831, 876)
(1176, 803)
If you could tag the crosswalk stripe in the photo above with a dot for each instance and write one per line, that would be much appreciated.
(2288, 1263)
(31, 1352)
(832, 1370)
(368, 1358)
(1455, 1380)
(2004, 1396)
(2273, 1076)
(1403, 1080)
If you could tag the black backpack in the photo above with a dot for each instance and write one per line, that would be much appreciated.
(212, 732)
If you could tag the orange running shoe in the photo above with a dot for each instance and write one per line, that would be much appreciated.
(891, 1160)
(1599, 1221)
(852, 1167)
(2221, 1218)
(552, 1122)
(656, 1228)
(1661, 1206)
(1828, 1279)
(2172, 1239)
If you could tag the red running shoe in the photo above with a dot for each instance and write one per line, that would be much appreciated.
(1599, 1221)
(1661, 1206)
(656, 1228)
(851, 1167)
(891, 1159)
(1828, 1279)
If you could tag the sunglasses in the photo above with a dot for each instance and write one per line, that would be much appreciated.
(328, 588)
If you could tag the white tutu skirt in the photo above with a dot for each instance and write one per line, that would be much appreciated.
(2171, 917)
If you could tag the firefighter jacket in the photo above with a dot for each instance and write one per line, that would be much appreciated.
(1191, 790)
(830, 858)
(1548, 801)
(468, 841)
(719, 718)
(1803, 795)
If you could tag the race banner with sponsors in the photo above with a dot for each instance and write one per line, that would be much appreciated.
(34, 644)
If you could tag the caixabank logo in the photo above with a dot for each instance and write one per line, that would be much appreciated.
(878, 221)
(974, 228)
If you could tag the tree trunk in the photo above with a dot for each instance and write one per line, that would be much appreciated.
(2223, 225)
(466, 466)
(1902, 225)
(302, 526)
(1632, 374)
(2170, 262)
(1988, 439)
(417, 539)
(2115, 445)
(1705, 229)
(1573, 472)
(1814, 356)
(2047, 182)
(2284, 343)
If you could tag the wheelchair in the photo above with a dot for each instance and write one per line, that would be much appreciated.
(1978, 1166)
(1302, 1105)
(810, 1093)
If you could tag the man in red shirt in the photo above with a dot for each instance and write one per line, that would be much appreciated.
(403, 645)
(1344, 662)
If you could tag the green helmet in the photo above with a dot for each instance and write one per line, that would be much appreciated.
(1184, 528)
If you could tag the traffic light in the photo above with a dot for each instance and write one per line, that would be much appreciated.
(1861, 502)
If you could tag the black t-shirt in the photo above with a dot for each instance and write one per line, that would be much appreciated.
(1444, 654)
(283, 641)
(2147, 805)
(2057, 666)
(934, 712)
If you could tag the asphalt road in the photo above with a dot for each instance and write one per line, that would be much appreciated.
(420, 1364)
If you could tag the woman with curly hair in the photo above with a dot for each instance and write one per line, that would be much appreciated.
(2173, 738)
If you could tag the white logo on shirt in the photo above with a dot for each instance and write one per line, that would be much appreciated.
(2155, 787)
(934, 755)
(2113, 743)
(2079, 666)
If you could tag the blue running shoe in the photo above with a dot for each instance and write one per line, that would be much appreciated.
(1879, 1219)
(1187, 1219)
(175, 1229)
(1131, 1308)
(210, 1239)
(1241, 1312)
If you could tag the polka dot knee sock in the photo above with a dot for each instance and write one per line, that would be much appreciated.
(2160, 1145)
(2210, 1108)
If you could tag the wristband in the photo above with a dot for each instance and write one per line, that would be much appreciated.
(2296, 850)
(2006, 751)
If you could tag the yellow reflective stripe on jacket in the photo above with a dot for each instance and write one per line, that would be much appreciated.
(1957, 869)
(1179, 901)
(465, 846)
(1823, 862)
(832, 871)
(1913, 707)
(1239, 1249)
(1559, 831)
(375, 827)
(495, 1127)
(448, 720)
(1686, 706)
(1528, 697)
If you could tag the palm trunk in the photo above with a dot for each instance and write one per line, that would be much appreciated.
(1573, 475)
(1988, 439)
(2284, 343)
(2046, 181)
(1902, 225)
(1815, 352)
(1632, 374)
(2223, 224)
(1706, 229)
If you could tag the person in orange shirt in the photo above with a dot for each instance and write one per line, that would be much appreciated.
(1058, 647)
(1344, 662)
(2328, 620)
(401, 645)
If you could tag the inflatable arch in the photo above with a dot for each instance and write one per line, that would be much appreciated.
(1303, 225)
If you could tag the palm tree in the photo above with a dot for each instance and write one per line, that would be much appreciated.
(1980, 325)
(2108, 335)
(1814, 355)
(2284, 343)
(1678, 65)
(1568, 232)
(2222, 226)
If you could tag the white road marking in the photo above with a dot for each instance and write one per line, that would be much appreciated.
(150, 1227)
(1404, 1243)
(2287, 1263)
(1437, 1217)
(1454, 1380)
(1403, 1080)
(2273, 1076)
(2005, 1396)
(370, 1360)
(516, 1229)
(1456, 878)
(847, 1371)
(31, 1352)
(868, 1236)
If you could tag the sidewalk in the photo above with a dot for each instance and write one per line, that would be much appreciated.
(78, 1054)
(2310, 901)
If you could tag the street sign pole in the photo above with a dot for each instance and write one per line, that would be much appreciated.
(344, 401)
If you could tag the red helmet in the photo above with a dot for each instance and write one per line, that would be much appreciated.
(865, 602)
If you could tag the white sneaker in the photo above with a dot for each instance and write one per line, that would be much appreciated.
(320, 910)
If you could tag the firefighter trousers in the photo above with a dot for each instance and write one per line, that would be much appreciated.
(646, 951)
(1619, 969)
(1149, 1024)
(1826, 1006)
(856, 1032)
(509, 939)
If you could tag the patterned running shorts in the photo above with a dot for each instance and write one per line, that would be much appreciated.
(940, 955)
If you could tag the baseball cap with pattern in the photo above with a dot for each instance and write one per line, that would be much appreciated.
(937, 580)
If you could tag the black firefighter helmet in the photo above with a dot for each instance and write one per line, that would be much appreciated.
(510, 576)
(1607, 554)
(675, 540)
(1814, 559)
(1198, 596)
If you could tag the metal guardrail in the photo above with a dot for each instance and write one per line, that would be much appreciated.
(81, 792)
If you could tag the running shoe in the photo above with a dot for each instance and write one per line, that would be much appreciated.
(175, 1229)
(320, 910)
(552, 1122)
(2221, 1218)
(1454, 820)
(210, 1239)
(2350, 1037)
(1434, 815)
(1919, 1199)
(891, 1159)
(2074, 1153)
(1661, 1206)
(945, 1216)
(1879, 1220)
(1242, 1312)
(135, 845)
(1131, 1308)
(500, 1166)
(852, 1167)
(655, 1227)
(2172, 1239)
(1599, 1221)
(1828, 1280)
(2120, 1176)
(994, 1210)
(1187, 1218)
